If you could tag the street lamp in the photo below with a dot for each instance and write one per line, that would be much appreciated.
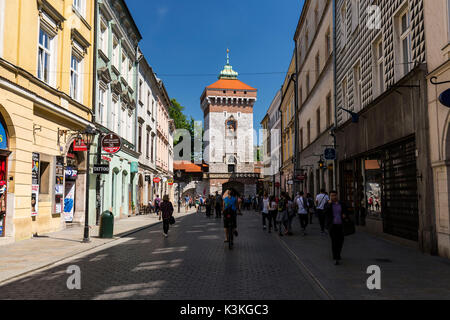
(179, 189)
(88, 136)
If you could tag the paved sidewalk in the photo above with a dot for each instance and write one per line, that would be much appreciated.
(25, 256)
(406, 273)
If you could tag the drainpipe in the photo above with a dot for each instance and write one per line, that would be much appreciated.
(296, 151)
(335, 165)
(94, 118)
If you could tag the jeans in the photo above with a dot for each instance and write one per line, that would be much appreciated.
(303, 220)
(337, 240)
(321, 216)
(166, 225)
(273, 217)
(265, 216)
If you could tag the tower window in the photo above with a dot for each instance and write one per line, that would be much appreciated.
(224, 91)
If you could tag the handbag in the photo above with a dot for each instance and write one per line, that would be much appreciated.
(172, 220)
(348, 227)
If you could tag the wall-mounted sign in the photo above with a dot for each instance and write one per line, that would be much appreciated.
(101, 169)
(59, 185)
(111, 143)
(79, 145)
(3, 138)
(290, 182)
(148, 178)
(106, 158)
(36, 165)
(156, 180)
(71, 173)
(134, 167)
(170, 182)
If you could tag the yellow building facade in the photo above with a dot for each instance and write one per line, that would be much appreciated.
(46, 80)
(287, 109)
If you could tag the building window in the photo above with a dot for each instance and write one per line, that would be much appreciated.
(355, 14)
(147, 153)
(231, 168)
(124, 66)
(45, 56)
(357, 86)
(378, 68)
(301, 139)
(129, 127)
(318, 121)
(101, 106)
(79, 5)
(75, 78)
(329, 110)
(328, 42)
(317, 66)
(344, 25)
(307, 84)
(308, 132)
(344, 94)
(152, 150)
(140, 139)
(103, 36)
(115, 53)
(115, 124)
(130, 73)
(148, 101)
(405, 41)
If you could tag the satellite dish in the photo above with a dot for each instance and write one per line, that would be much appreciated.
(444, 98)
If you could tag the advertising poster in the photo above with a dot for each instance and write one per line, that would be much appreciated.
(69, 201)
(59, 185)
(35, 184)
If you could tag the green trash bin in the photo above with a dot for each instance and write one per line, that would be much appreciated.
(106, 225)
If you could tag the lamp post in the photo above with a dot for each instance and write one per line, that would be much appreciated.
(87, 135)
(179, 189)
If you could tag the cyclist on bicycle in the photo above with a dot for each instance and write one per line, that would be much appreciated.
(229, 209)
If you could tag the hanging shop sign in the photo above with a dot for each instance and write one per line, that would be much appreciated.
(35, 184)
(148, 178)
(444, 98)
(170, 182)
(330, 154)
(106, 158)
(79, 145)
(156, 180)
(290, 182)
(301, 177)
(70, 173)
(111, 143)
(101, 169)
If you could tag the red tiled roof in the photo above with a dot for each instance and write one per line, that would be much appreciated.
(230, 84)
(186, 166)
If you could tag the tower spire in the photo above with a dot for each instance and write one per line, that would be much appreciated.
(228, 72)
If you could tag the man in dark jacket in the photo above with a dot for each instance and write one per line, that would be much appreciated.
(335, 213)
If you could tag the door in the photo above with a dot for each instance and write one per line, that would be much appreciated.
(3, 194)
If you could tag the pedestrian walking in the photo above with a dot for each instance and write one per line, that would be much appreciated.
(157, 203)
(282, 215)
(291, 215)
(208, 203)
(166, 213)
(321, 200)
(311, 207)
(302, 211)
(219, 201)
(239, 205)
(230, 206)
(265, 210)
(186, 203)
(335, 213)
(273, 210)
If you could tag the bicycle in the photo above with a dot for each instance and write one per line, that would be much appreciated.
(229, 226)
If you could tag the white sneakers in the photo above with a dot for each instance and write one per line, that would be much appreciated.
(166, 235)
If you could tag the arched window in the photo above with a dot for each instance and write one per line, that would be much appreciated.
(230, 126)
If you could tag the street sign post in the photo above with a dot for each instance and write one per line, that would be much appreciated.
(111, 143)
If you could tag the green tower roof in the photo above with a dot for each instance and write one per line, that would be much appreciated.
(228, 72)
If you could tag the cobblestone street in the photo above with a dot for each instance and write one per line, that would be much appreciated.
(194, 263)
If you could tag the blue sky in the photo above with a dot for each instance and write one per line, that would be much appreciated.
(185, 42)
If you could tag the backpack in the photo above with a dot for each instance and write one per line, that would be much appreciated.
(282, 205)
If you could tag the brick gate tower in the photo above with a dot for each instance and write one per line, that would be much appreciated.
(227, 106)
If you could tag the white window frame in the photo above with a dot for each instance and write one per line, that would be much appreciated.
(344, 89)
(122, 122)
(77, 92)
(355, 14)
(379, 82)
(357, 86)
(104, 36)
(80, 8)
(124, 66)
(115, 124)
(129, 126)
(130, 72)
(102, 103)
(115, 52)
(48, 25)
(405, 35)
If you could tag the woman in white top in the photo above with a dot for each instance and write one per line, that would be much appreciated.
(265, 210)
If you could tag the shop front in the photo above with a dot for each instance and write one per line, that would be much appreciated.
(4, 154)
